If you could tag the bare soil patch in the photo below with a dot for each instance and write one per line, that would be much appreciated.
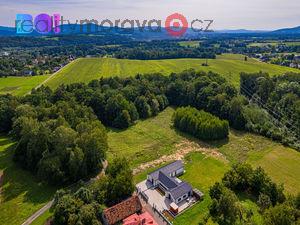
(182, 149)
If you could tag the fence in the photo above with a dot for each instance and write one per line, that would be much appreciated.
(162, 216)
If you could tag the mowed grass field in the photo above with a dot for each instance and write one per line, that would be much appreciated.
(230, 66)
(152, 138)
(20, 85)
(22, 194)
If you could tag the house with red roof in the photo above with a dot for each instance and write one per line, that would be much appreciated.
(121, 211)
(142, 219)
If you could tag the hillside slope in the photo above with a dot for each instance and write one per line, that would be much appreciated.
(87, 69)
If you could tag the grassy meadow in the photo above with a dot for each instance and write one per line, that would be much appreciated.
(20, 85)
(146, 141)
(203, 170)
(22, 194)
(230, 66)
(152, 138)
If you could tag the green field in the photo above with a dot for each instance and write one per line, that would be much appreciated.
(22, 194)
(281, 163)
(145, 141)
(20, 85)
(154, 137)
(87, 69)
(263, 44)
(274, 43)
(202, 178)
(191, 44)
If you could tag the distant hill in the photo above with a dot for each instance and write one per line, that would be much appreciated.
(294, 30)
(240, 31)
(7, 31)
(148, 34)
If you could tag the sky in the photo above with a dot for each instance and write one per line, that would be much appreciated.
(227, 14)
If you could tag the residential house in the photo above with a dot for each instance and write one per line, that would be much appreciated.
(122, 210)
(166, 180)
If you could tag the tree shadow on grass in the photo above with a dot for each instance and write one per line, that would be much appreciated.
(17, 181)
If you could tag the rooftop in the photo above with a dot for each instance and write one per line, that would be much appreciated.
(180, 190)
(167, 169)
(122, 210)
(144, 218)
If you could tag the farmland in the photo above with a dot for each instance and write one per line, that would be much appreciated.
(87, 69)
(20, 85)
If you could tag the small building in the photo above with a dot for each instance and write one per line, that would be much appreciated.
(119, 212)
(166, 180)
(142, 219)
(28, 72)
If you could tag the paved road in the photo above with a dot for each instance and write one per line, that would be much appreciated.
(49, 204)
(38, 213)
(52, 75)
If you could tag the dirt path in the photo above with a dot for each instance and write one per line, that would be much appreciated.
(182, 149)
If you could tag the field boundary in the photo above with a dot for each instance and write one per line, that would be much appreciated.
(52, 75)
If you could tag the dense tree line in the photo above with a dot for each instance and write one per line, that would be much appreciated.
(117, 102)
(275, 207)
(278, 98)
(200, 124)
(61, 142)
(85, 206)
(207, 91)
(156, 52)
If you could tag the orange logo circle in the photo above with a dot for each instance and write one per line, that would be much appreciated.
(176, 24)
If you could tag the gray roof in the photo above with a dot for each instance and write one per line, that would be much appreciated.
(168, 169)
(167, 181)
(180, 190)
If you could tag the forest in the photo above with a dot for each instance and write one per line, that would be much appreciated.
(67, 123)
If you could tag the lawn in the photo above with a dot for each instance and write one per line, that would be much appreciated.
(202, 178)
(22, 194)
(20, 85)
(87, 69)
